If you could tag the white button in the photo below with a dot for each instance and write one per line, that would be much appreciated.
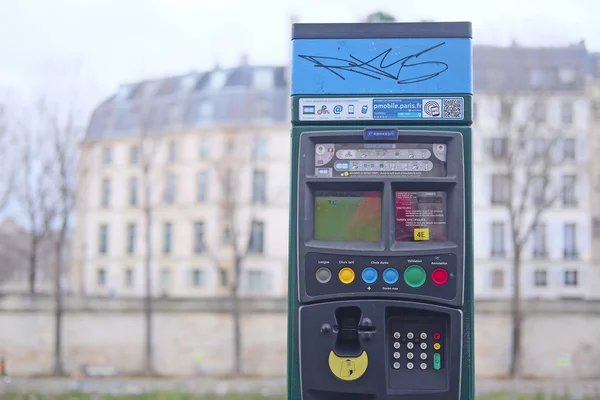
(410, 335)
(396, 355)
(410, 345)
(396, 365)
(396, 335)
(423, 366)
(396, 345)
(423, 336)
(423, 346)
(410, 356)
(423, 356)
(410, 366)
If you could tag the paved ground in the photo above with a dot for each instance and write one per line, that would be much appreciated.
(275, 387)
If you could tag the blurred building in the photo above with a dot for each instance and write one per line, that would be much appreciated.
(593, 85)
(546, 86)
(212, 149)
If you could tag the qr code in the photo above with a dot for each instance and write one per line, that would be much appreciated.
(453, 108)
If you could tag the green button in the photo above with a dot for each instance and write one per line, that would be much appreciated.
(437, 361)
(415, 276)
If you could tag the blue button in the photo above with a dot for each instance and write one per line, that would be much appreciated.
(369, 275)
(390, 276)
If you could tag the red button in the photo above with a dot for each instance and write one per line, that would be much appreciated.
(439, 276)
(436, 336)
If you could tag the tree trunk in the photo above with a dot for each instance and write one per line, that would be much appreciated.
(237, 332)
(149, 364)
(58, 365)
(517, 318)
(237, 317)
(32, 264)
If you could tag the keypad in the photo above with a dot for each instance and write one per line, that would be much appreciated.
(416, 349)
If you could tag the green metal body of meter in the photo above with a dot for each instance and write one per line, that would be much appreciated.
(381, 244)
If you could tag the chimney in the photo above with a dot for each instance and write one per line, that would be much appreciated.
(244, 60)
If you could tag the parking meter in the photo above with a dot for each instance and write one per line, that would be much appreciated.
(381, 244)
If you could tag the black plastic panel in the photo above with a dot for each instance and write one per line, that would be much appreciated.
(320, 327)
(320, 290)
(383, 30)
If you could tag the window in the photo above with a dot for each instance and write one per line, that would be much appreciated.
(539, 241)
(172, 151)
(258, 282)
(569, 197)
(570, 240)
(506, 108)
(227, 184)
(497, 278)
(198, 278)
(205, 110)
(101, 277)
(130, 238)
(106, 155)
(498, 148)
(569, 149)
(541, 146)
(571, 277)
(129, 278)
(540, 278)
(134, 155)
(567, 75)
(566, 113)
(259, 190)
(257, 237)
(201, 186)
(103, 240)
(538, 189)
(204, 147)
(259, 151)
(165, 279)
(499, 189)
(105, 192)
(198, 237)
(497, 239)
(226, 236)
(539, 111)
(223, 277)
(133, 190)
(263, 79)
(170, 188)
(167, 237)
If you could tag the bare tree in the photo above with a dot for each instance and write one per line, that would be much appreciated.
(61, 124)
(527, 151)
(144, 115)
(33, 193)
(7, 145)
(237, 203)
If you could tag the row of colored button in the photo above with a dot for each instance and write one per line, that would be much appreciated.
(414, 275)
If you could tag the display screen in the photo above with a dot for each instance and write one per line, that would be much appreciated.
(377, 159)
(348, 216)
(420, 216)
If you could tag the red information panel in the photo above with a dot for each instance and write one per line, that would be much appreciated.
(420, 216)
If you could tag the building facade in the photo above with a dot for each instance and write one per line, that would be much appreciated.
(533, 166)
(203, 161)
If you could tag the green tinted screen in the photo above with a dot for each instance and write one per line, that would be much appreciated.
(348, 216)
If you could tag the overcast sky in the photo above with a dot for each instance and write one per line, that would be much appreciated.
(117, 41)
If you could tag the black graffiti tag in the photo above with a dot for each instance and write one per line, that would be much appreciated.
(379, 67)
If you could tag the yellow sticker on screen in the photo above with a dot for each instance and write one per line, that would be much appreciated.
(421, 233)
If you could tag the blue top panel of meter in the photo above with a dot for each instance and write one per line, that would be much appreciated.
(382, 58)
